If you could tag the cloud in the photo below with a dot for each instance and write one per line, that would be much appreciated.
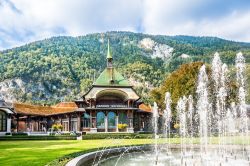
(182, 17)
(11, 5)
(24, 21)
(48, 18)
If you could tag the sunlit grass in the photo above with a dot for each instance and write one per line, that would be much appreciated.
(38, 153)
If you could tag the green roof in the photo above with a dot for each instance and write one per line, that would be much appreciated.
(106, 76)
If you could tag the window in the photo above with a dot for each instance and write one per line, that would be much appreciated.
(3, 121)
(122, 118)
(100, 120)
(65, 126)
(111, 120)
(86, 120)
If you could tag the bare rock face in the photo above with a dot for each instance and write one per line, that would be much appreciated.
(147, 43)
(8, 87)
(185, 56)
(28, 90)
(159, 50)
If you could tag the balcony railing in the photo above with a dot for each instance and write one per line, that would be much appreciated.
(111, 106)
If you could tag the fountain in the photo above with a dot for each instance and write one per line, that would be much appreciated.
(202, 109)
(181, 111)
(155, 126)
(240, 76)
(209, 125)
(167, 115)
(190, 115)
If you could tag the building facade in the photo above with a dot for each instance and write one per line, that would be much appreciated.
(111, 105)
(110, 101)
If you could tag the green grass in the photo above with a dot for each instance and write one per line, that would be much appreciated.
(38, 153)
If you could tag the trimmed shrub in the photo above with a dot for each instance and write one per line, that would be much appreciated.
(116, 136)
(24, 137)
(145, 132)
(19, 134)
(77, 134)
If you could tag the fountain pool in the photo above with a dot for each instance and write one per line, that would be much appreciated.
(193, 158)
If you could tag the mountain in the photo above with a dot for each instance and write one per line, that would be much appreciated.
(63, 68)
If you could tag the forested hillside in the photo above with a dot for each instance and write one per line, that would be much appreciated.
(63, 68)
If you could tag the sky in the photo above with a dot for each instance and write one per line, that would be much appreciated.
(24, 21)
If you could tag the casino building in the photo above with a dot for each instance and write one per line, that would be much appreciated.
(111, 102)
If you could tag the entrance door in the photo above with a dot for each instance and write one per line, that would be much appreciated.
(74, 125)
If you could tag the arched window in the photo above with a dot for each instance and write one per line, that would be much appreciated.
(3, 121)
(100, 120)
(86, 120)
(111, 120)
(122, 118)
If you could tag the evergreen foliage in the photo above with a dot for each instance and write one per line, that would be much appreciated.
(63, 68)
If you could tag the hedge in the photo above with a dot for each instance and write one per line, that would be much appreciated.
(140, 135)
(66, 134)
(17, 134)
(24, 137)
(116, 136)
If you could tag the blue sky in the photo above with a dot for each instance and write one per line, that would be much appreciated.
(23, 21)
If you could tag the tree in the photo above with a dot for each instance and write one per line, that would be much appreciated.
(85, 85)
(179, 83)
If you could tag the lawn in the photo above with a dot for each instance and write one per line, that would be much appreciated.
(38, 153)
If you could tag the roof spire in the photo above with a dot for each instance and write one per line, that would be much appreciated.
(109, 55)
